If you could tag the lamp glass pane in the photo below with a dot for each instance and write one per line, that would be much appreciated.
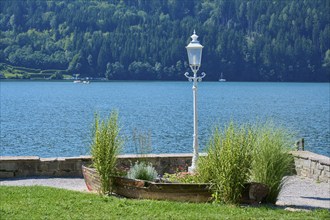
(194, 56)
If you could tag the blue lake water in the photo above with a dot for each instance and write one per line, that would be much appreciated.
(54, 119)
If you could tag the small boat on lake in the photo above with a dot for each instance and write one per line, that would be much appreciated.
(222, 79)
(82, 82)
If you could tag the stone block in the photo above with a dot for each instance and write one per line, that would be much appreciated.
(306, 163)
(49, 159)
(323, 179)
(313, 165)
(314, 159)
(52, 165)
(85, 158)
(298, 166)
(316, 172)
(4, 174)
(45, 173)
(25, 173)
(72, 159)
(42, 167)
(61, 159)
(19, 158)
(327, 174)
(304, 172)
(8, 166)
(66, 166)
(63, 173)
(28, 167)
(327, 168)
(325, 161)
(320, 167)
(300, 154)
(78, 165)
(299, 171)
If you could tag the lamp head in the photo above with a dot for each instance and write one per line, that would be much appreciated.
(194, 50)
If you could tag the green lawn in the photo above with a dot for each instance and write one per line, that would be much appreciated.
(49, 203)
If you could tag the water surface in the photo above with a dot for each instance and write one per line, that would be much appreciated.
(53, 119)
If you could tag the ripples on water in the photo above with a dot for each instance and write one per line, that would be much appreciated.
(54, 119)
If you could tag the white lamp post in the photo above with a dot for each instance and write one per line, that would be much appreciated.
(194, 50)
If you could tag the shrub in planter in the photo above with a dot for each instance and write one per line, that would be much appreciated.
(105, 148)
(142, 171)
(271, 160)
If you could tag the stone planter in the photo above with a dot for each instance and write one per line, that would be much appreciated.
(253, 193)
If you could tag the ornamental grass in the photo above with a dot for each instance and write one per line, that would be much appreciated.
(105, 148)
(240, 154)
(271, 159)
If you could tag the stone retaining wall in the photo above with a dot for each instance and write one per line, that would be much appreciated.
(312, 165)
(24, 166)
(307, 164)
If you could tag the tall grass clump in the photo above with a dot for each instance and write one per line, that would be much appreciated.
(105, 148)
(142, 171)
(142, 143)
(227, 163)
(271, 159)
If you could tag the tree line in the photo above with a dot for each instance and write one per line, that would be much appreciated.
(246, 40)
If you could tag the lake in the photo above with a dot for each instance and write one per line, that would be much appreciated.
(54, 119)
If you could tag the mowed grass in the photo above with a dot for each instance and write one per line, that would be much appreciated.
(39, 202)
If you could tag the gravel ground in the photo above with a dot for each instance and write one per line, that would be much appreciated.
(77, 184)
(304, 193)
(297, 192)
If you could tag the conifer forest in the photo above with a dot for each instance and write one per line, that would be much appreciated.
(246, 40)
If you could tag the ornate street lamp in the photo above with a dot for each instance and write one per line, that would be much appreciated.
(194, 50)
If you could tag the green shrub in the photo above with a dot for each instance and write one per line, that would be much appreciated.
(105, 149)
(142, 171)
(271, 160)
(228, 161)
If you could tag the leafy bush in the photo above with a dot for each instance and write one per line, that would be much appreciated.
(271, 160)
(227, 164)
(105, 149)
(142, 171)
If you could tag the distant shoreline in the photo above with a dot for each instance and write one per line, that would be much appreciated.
(132, 80)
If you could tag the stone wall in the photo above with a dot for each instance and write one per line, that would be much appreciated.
(307, 164)
(312, 165)
(24, 166)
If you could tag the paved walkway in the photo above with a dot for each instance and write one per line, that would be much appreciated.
(297, 192)
(304, 193)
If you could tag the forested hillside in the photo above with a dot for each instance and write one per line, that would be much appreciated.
(247, 40)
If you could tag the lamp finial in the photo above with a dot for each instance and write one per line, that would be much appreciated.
(194, 37)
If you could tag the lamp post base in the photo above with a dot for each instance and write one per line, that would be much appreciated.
(191, 169)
